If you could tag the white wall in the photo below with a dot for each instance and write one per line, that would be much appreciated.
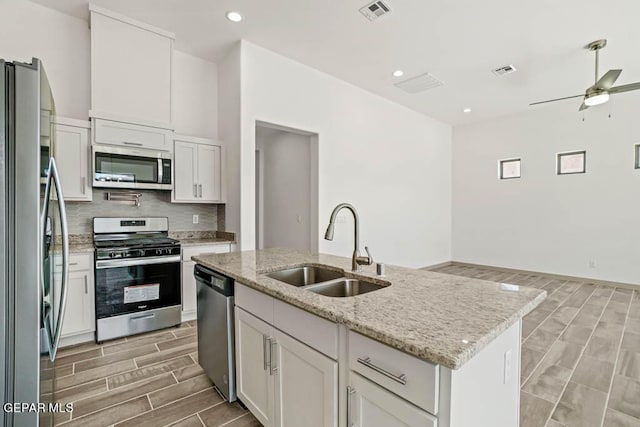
(194, 96)
(286, 188)
(29, 30)
(544, 222)
(392, 163)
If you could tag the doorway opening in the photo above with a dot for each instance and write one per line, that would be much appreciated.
(286, 187)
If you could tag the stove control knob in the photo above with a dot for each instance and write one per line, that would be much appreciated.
(158, 251)
(141, 252)
(112, 255)
(167, 251)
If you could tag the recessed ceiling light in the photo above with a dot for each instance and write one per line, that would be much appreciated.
(234, 16)
(467, 110)
(398, 73)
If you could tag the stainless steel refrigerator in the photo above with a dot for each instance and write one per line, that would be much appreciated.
(34, 252)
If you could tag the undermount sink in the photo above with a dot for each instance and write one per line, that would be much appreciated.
(304, 276)
(344, 288)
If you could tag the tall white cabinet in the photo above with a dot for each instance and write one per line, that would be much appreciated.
(199, 175)
(131, 65)
(72, 153)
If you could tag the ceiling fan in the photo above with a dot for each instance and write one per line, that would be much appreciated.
(603, 86)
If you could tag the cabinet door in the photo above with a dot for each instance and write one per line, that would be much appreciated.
(72, 156)
(255, 384)
(188, 287)
(209, 165)
(185, 172)
(373, 406)
(78, 314)
(306, 385)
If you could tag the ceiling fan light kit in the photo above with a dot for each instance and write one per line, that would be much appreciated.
(603, 87)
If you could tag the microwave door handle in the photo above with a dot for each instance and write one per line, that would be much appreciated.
(65, 257)
(160, 171)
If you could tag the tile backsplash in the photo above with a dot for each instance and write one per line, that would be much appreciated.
(153, 203)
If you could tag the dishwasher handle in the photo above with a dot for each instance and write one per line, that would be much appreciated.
(217, 282)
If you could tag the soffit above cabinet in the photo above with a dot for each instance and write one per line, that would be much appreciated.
(131, 65)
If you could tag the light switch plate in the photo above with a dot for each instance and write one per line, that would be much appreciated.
(196, 219)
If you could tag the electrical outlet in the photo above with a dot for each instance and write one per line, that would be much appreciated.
(592, 263)
(196, 219)
(507, 366)
(299, 219)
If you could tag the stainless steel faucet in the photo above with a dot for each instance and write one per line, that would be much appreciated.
(356, 259)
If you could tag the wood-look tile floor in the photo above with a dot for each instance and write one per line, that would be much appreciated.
(146, 380)
(580, 352)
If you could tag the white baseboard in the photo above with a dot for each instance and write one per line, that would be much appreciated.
(77, 339)
(189, 315)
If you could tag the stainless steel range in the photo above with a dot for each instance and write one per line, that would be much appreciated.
(137, 276)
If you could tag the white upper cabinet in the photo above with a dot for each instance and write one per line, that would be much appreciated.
(198, 172)
(131, 66)
(72, 154)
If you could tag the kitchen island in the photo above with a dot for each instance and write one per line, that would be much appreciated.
(460, 337)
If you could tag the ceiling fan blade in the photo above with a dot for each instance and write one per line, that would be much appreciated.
(625, 88)
(605, 82)
(557, 99)
(583, 107)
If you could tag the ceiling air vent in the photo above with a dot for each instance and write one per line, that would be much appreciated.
(419, 83)
(505, 69)
(375, 10)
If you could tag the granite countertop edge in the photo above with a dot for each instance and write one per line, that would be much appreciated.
(290, 294)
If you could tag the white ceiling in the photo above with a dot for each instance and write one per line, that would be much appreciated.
(458, 41)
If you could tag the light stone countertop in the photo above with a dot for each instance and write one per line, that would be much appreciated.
(81, 248)
(440, 318)
(205, 241)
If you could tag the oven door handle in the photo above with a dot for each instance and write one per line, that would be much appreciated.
(108, 263)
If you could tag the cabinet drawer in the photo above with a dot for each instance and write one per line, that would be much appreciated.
(190, 251)
(130, 135)
(409, 377)
(308, 328)
(77, 262)
(254, 302)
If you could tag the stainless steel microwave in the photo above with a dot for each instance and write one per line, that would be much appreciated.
(134, 168)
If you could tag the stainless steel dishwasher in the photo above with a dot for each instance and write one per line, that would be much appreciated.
(216, 342)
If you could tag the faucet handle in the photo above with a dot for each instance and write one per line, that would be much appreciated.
(369, 257)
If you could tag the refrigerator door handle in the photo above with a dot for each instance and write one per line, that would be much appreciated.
(55, 177)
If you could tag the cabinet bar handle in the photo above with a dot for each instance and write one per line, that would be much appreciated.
(195, 190)
(402, 378)
(350, 392)
(264, 352)
(200, 190)
(84, 185)
(272, 368)
(135, 144)
(86, 287)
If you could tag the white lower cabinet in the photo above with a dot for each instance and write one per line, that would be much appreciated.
(79, 314)
(283, 382)
(255, 382)
(370, 405)
(306, 384)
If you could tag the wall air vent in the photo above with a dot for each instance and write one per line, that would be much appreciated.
(505, 69)
(375, 10)
(419, 83)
